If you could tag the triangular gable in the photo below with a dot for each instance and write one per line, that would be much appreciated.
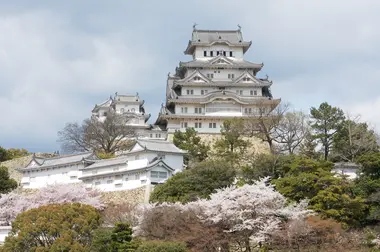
(247, 78)
(160, 163)
(221, 60)
(196, 76)
(137, 147)
(34, 163)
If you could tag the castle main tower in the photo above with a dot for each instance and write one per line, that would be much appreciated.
(217, 84)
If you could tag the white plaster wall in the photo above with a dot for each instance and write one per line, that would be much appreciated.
(246, 90)
(62, 175)
(4, 231)
(190, 108)
(351, 173)
(128, 107)
(222, 74)
(120, 182)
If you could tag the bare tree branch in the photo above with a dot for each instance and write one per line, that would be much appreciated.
(108, 136)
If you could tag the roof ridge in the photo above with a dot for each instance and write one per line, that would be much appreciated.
(70, 155)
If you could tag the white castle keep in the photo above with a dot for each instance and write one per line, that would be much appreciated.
(217, 84)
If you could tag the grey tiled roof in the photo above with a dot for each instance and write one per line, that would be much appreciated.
(208, 37)
(61, 160)
(128, 98)
(235, 64)
(125, 171)
(159, 145)
(222, 95)
(107, 162)
(224, 84)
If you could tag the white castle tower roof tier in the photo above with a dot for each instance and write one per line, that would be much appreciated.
(217, 84)
(132, 107)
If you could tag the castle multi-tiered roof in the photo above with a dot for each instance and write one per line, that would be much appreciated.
(217, 84)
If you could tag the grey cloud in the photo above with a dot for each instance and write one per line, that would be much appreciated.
(57, 59)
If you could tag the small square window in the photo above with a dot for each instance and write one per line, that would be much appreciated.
(97, 183)
(163, 175)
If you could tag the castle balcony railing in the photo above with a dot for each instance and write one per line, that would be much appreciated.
(213, 110)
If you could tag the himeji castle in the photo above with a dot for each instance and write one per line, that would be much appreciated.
(217, 84)
(132, 107)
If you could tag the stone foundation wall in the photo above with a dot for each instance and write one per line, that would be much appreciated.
(13, 164)
(257, 145)
(138, 195)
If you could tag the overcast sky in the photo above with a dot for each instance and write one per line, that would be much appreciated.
(59, 58)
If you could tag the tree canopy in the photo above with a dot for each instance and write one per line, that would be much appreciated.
(199, 181)
(55, 227)
(326, 121)
(7, 184)
(197, 151)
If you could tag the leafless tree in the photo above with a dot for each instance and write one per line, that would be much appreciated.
(290, 131)
(106, 136)
(354, 138)
(263, 124)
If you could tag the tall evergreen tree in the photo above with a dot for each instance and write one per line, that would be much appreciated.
(7, 184)
(196, 150)
(326, 121)
(353, 140)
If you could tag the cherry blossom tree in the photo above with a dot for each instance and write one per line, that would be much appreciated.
(13, 203)
(248, 214)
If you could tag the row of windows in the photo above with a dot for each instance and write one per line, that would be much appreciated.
(196, 110)
(122, 110)
(158, 135)
(153, 174)
(217, 53)
(251, 92)
(205, 91)
(191, 91)
(198, 125)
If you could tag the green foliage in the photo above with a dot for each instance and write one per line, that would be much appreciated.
(352, 140)
(56, 227)
(304, 178)
(189, 141)
(330, 196)
(12, 153)
(308, 147)
(199, 181)
(114, 239)
(101, 241)
(103, 155)
(264, 165)
(370, 163)
(326, 121)
(17, 153)
(232, 144)
(162, 246)
(7, 184)
(121, 238)
(3, 154)
(334, 202)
